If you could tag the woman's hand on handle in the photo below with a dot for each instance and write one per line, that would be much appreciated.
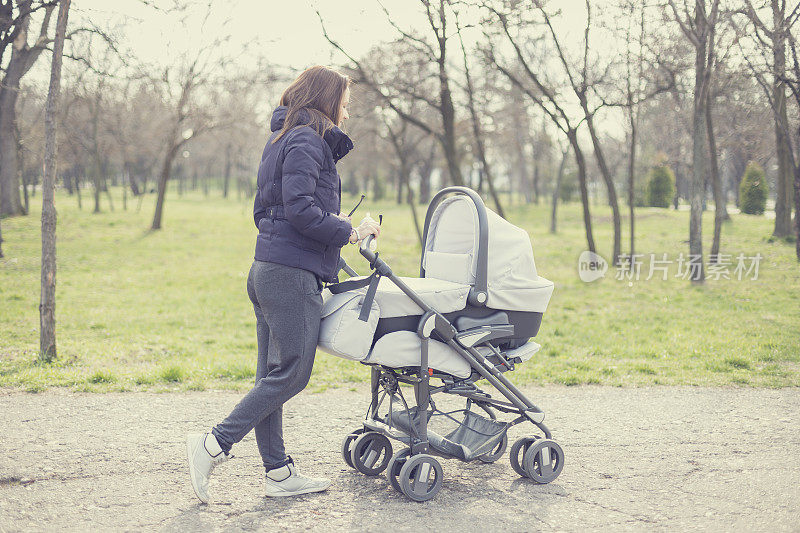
(368, 226)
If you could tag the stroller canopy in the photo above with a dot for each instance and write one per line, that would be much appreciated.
(451, 253)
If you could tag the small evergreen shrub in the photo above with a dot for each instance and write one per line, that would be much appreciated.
(753, 190)
(660, 186)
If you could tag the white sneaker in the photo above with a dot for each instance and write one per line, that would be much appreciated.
(204, 453)
(285, 481)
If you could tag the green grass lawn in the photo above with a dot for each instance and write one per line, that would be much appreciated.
(168, 310)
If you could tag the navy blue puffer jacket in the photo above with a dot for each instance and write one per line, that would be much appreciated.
(299, 192)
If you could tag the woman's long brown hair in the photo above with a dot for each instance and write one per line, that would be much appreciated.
(319, 91)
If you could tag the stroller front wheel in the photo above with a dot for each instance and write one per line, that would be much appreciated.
(395, 465)
(543, 461)
(347, 443)
(517, 453)
(370, 453)
(421, 477)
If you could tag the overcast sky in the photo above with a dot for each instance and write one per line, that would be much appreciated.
(285, 32)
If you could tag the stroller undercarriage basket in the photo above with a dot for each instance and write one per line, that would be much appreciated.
(474, 435)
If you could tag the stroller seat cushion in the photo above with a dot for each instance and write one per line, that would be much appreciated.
(403, 348)
(443, 296)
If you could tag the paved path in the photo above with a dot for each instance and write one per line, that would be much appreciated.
(636, 459)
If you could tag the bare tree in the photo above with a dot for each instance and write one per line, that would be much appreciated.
(774, 38)
(438, 15)
(792, 79)
(187, 118)
(720, 209)
(550, 103)
(14, 31)
(581, 84)
(47, 305)
(634, 78)
(404, 150)
(557, 188)
(477, 129)
(698, 27)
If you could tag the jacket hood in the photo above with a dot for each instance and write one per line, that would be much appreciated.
(338, 140)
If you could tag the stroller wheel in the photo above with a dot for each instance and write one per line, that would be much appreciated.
(395, 464)
(497, 453)
(370, 453)
(543, 461)
(421, 477)
(347, 443)
(517, 453)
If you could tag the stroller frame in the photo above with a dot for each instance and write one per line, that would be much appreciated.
(539, 459)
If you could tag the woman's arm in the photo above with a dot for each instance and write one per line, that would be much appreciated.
(258, 210)
(301, 167)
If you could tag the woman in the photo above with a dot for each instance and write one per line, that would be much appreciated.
(297, 249)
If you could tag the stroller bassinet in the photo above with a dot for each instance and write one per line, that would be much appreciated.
(469, 316)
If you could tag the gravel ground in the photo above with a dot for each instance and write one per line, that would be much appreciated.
(636, 459)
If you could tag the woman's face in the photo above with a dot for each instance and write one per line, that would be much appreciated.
(343, 110)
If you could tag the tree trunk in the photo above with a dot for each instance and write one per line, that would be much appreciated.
(699, 156)
(580, 160)
(227, 175)
(108, 192)
(557, 190)
(21, 174)
(78, 191)
(97, 188)
(606, 174)
(796, 211)
(720, 210)
(425, 175)
(448, 113)
(404, 179)
(163, 178)
(486, 171)
(181, 178)
(1, 240)
(521, 127)
(783, 181)
(399, 199)
(10, 204)
(413, 205)
(632, 180)
(47, 305)
(133, 182)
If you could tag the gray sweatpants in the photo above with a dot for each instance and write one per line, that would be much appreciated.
(288, 307)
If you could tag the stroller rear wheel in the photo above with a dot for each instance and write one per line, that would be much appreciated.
(421, 477)
(347, 443)
(543, 461)
(395, 465)
(497, 453)
(370, 453)
(517, 453)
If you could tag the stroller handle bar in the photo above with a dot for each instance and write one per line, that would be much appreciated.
(366, 248)
(478, 293)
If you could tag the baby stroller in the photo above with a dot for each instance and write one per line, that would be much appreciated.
(467, 318)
